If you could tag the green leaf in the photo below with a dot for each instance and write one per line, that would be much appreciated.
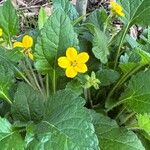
(56, 36)
(68, 8)
(42, 18)
(6, 81)
(132, 41)
(100, 43)
(137, 94)
(144, 122)
(75, 86)
(9, 139)
(112, 137)
(98, 18)
(67, 125)
(9, 21)
(140, 57)
(145, 142)
(127, 67)
(107, 76)
(28, 104)
(136, 11)
(145, 56)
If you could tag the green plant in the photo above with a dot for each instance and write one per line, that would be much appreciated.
(103, 104)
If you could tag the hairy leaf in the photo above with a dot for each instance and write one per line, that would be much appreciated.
(67, 125)
(56, 36)
(9, 139)
(98, 18)
(68, 8)
(100, 44)
(136, 11)
(42, 18)
(112, 137)
(144, 122)
(107, 76)
(137, 94)
(6, 80)
(9, 21)
(28, 104)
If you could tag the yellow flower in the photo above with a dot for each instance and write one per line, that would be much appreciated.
(116, 8)
(73, 62)
(26, 44)
(1, 32)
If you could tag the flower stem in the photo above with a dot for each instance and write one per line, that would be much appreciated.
(121, 81)
(6, 97)
(54, 81)
(127, 118)
(116, 104)
(47, 84)
(107, 22)
(119, 114)
(34, 76)
(120, 45)
(22, 75)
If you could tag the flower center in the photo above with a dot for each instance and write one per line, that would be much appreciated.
(74, 63)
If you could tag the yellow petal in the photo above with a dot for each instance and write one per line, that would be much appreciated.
(82, 58)
(116, 8)
(30, 55)
(82, 68)
(121, 14)
(70, 72)
(27, 41)
(17, 44)
(71, 53)
(63, 62)
(1, 32)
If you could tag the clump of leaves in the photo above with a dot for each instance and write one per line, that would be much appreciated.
(75, 82)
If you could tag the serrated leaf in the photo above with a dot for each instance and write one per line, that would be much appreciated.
(56, 36)
(9, 139)
(144, 122)
(107, 76)
(9, 21)
(67, 125)
(136, 11)
(6, 80)
(42, 18)
(137, 57)
(98, 18)
(145, 56)
(68, 8)
(100, 45)
(75, 86)
(112, 137)
(28, 104)
(137, 94)
(145, 142)
(127, 67)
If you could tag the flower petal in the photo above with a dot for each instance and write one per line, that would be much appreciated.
(1, 32)
(71, 53)
(63, 62)
(17, 44)
(27, 41)
(121, 14)
(71, 72)
(82, 68)
(116, 8)
(82, 57)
